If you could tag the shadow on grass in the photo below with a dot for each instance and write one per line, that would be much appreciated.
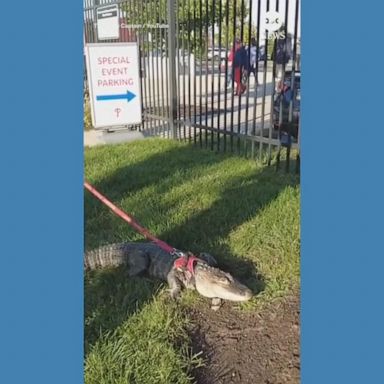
(128, 180)
(100, 223)
(110, 297)
(242, 269)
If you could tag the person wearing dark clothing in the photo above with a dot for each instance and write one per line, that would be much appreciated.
(281, 54)
(239, 65)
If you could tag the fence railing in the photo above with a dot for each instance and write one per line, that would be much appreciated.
(222, 74)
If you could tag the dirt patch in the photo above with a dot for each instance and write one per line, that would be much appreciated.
(241, 347)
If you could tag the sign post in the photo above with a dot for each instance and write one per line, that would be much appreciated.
(114, 84)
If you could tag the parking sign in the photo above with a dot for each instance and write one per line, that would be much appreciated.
(114, 84)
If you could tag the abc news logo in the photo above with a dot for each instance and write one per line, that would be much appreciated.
(273, 22)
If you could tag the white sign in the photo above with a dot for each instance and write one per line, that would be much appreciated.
(114, 84)
(108, 22)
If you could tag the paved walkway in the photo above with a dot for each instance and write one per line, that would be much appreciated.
(98, 137)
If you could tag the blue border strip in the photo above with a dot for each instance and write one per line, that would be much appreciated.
(342, 193)
(41, 220)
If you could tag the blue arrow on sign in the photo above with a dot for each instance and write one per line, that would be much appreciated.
(129, 96)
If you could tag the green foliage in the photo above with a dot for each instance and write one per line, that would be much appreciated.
(234, 22)
(143, 349)
(87, 113)
(195, 21)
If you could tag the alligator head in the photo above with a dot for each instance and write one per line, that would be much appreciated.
(216, 284)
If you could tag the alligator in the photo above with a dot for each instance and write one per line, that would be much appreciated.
(180, 270)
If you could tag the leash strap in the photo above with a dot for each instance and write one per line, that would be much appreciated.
(132, 222)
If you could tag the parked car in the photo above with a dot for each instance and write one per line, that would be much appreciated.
(217, 54)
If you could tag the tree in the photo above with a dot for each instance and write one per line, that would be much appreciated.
(195, 20)
(234, 24)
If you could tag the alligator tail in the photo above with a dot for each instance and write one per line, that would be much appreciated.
(112, 255)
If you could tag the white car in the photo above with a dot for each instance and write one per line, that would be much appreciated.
(217, 53)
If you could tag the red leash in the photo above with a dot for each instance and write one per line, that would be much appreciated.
(131, 221)
(183, 261)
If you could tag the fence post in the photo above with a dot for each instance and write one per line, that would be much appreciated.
(171, 10)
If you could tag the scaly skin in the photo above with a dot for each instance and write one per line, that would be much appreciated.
(208, 280)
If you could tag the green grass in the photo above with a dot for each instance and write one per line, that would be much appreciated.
(143, 349)
(245, 214)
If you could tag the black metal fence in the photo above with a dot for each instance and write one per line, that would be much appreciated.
(222, 74)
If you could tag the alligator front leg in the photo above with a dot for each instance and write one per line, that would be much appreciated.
(174, 285)
(216, 304)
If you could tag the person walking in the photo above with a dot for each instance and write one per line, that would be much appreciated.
(253, 59)
(239, 66)
(281, 55)
(230, 67)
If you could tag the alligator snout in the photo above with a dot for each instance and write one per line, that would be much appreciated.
(212, 282)
(238, 293)
(246, 294)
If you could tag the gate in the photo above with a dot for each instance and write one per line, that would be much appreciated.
(187, 72)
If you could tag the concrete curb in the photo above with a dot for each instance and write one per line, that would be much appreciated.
(95, 137)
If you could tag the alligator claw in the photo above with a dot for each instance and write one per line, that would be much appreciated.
(216, 304)
(174, 294)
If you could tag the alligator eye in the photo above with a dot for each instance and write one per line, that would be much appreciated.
(225, 280)
(229, 277)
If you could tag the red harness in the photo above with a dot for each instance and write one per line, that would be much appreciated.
(186, 262)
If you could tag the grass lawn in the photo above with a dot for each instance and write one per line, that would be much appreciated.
(243, 213)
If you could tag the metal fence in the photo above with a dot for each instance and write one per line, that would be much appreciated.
(187, 71)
